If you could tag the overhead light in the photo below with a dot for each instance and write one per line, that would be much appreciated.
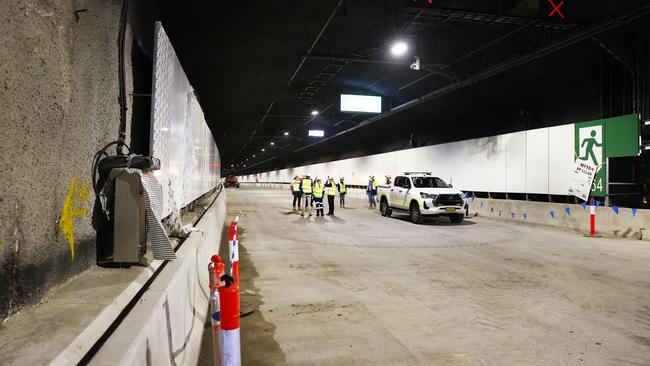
(263, 149)
(316, 133)
(646, 123)
(399, 48)
(314, 113)
(360, 103)
(272, 143)
(253, 155)
(286, 133)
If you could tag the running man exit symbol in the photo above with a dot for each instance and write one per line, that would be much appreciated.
(591, 142)
(556, 9)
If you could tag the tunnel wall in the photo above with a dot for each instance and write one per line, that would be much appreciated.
(539, 161)
(58, 93)
(534, 161)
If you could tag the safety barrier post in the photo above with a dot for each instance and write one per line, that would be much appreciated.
(216, 269)
(592, 217)
(229, 299)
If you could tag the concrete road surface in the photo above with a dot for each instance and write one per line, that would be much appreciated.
(361, 289)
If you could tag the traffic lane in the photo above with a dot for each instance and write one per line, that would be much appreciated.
(492, 292)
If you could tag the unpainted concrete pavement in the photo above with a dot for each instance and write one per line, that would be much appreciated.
(362, 289)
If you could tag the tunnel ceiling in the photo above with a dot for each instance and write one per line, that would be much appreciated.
(257, 75)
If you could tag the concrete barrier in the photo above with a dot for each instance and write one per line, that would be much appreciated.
(166, 325)
(626, 223)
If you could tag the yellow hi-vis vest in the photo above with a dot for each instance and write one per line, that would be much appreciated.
(306, 186)
(374, 184)
(296, 185)
(318, 190)
(343, 188)
(331, 190)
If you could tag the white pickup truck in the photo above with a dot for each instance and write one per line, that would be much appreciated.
(421, 194)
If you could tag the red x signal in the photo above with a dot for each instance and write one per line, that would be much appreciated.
(556, 9)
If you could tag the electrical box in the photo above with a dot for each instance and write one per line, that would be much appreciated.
(129, 229)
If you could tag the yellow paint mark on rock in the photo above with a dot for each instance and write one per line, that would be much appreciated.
(78, 193)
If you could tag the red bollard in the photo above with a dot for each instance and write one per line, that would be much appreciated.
(229, 300)
(592, 217)
(234, 249)
(216, 269)
(230, 345)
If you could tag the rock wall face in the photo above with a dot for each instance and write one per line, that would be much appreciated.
(58, 106)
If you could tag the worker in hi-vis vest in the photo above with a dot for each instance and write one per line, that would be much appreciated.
(306, 188)
(297, 193)
(319, 189)
(343, 189)
(372, 192)
(330, 188)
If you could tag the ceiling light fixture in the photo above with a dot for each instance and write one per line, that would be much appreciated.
(399, 48)
(286, 133)
(314, 113)
(263, 149)
(272, 143)
(316, 133)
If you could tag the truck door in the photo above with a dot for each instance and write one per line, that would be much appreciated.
(398, 192)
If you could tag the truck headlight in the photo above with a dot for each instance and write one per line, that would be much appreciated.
(428, 195)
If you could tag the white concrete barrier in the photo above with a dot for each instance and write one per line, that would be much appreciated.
(626, 223)
(166, 325)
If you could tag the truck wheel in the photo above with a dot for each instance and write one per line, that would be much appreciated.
(414, 213)
(456, 219)
(384, 208)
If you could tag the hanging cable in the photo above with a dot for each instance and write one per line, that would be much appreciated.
(122, 96)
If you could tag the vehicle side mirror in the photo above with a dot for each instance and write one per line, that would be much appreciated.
(451, 186)
(407, 186)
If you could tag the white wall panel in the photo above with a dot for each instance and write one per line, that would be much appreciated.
(180, 137)
(452, 164)
(496, 160)
(516, 162)
(475, 164)
(537, 161)
(560, 152)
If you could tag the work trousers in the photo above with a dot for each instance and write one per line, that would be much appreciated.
(319, 206)
(309, 202)
(296, 198)
(330, 204)
(371, 198)
(342, 199)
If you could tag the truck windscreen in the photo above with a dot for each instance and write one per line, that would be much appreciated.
(429, 182)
